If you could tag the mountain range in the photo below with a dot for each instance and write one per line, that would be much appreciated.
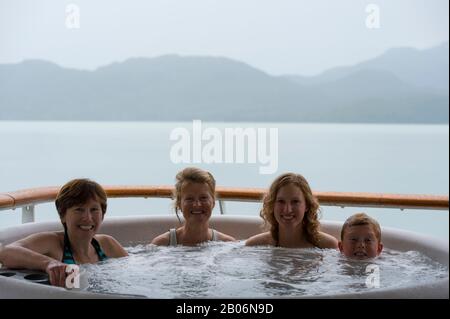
(403, 85)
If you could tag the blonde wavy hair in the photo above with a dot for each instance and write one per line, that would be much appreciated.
(311, 222)
(192, 175)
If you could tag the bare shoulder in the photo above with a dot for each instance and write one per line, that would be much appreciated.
(161, 240)
(327, 241)
(224, 237)
(43, 243)
(105, 240)
(111, 246)
(260, 239)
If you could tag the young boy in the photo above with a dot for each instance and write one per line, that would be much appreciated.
(360, 237)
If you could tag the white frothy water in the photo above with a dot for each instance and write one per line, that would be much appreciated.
(231, 270)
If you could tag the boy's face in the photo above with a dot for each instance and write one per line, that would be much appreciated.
(360, 242)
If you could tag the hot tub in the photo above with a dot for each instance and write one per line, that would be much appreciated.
(130, 231)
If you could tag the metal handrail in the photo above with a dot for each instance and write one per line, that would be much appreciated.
(30, 197)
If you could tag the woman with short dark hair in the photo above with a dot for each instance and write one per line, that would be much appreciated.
(81, 205)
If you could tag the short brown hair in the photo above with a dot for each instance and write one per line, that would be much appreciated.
(361, 219)
(79, 191)
(192, 175)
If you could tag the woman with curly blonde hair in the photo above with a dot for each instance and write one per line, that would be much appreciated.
(291, 211)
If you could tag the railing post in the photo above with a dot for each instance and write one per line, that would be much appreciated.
(28, 214)
(222, 207)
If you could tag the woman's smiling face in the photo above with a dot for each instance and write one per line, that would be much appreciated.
(84, 219)
(196, 202)
(290, 206)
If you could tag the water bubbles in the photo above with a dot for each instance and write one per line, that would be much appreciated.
(231, 270)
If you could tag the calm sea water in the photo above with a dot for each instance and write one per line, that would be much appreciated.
(402, 159)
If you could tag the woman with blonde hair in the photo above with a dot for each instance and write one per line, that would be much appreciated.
(291, 211)
(195, 196)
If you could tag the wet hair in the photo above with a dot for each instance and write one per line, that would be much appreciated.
(192, 175)
(360, 219)
(77, 192)
(311, 222)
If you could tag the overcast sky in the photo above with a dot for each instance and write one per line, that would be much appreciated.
(276, 36)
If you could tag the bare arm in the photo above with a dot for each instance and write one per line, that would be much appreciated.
(225, 237)
(38, 252)
(327, 241)
(111, 246)
(260, 240)
(161, 240)
(33, 252)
